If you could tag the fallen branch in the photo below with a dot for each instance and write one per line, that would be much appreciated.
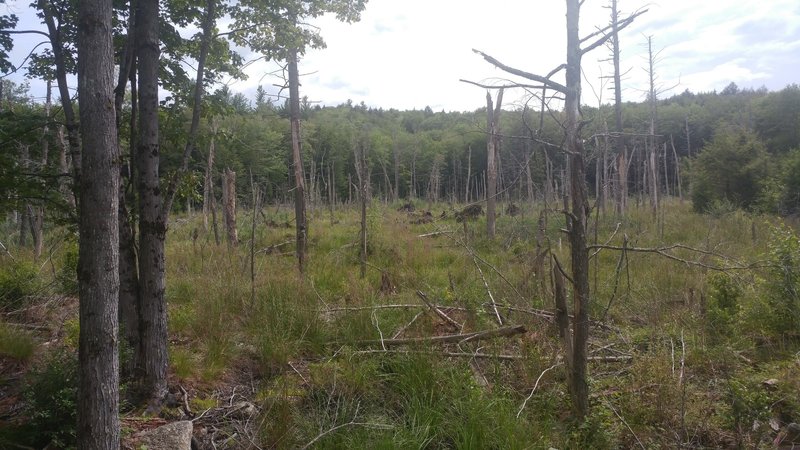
(436, 310)
(521, 408)
(435, 233)
(447, 354)
(395, 306)
(452, 338)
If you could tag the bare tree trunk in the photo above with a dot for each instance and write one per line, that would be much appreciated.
(98, 279)
(396, 153)
(492, 144)
(73, 136)
(619, 140)
(152, 219)
(37, 210)
(469, 173)
(577, 219)
(362, 185)
(128, 274)
(208, 181)
(677, 169)
(25, 209)
(297, 159)
(229, 206)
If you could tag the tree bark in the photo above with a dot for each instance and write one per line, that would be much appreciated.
(619, 140)
(152, 220)
(577, 219)
(208, 183)
(98, 279)
(128, 273)
(297, 159)
(70, 123)
(492, 147)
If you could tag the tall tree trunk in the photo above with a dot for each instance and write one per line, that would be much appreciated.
(619, 140)
(152, 220)
(128, 272)
(98, 279)
(469, 173)
(25, 209)
(37, 209)
(297, 159)
(677, 170)
(396, 153)
(208, 181)
(577, 219)
(70, 123)
(361, 166)
(492, 142)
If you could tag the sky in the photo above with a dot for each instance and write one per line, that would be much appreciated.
(411, 54)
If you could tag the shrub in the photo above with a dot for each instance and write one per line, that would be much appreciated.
(18, 280)
(724, 296)
(51, 401)
(783, 282)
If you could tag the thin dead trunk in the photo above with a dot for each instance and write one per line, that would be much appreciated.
(469, 173)
(492, 148)
(297, 159)
(229, 206)
(208, 181)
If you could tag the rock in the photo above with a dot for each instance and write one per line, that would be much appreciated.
(792, 434)
(772, 383)
(172, 436)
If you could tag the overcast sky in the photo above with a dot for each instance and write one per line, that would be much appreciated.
(411, 53)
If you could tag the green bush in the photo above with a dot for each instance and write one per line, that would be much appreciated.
(18, 280)
(724, 296)
(51, 396)
(783, 281)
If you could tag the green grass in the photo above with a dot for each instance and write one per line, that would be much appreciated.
(16, 343)
(303, 361)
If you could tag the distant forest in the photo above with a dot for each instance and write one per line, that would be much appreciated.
(737, 147)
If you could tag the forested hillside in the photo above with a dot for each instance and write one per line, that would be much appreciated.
(280, 272)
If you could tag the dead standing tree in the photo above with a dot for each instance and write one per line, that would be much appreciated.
(578, 204)
(492, 148)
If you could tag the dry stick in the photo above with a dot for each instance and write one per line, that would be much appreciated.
(562, 314)
(521, 408)
(624, 422)
(622, 257)
(447, 354)
(256, 201)
(663, 251)
(352, 423)
(438, 312)
(378, 327)
(405, 327)
(488, 291)
(452, 338)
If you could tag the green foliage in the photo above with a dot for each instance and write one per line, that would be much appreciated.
(724, 295)
(747, 405)
(51, 401)
(730, 168)
(18, 280)
(16, 343)
(783, 284)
